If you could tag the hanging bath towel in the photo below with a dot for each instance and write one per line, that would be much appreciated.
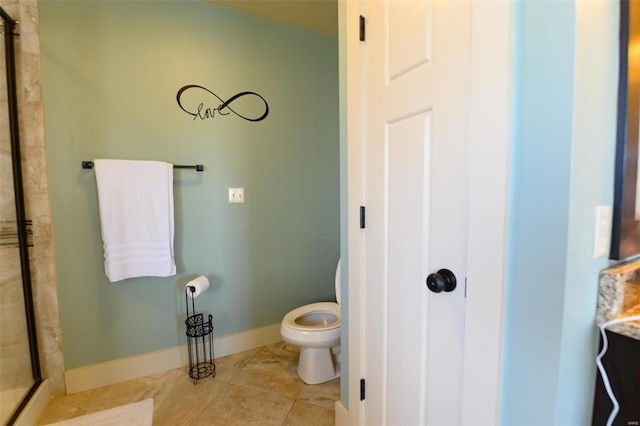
(136, 216)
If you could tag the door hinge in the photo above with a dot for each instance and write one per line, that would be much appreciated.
(465, 287)
(362, 25)
(361, 389)
(362, 217)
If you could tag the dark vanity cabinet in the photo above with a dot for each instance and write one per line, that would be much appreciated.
(622, 365)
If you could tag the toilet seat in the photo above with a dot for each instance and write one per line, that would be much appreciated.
(328, 307)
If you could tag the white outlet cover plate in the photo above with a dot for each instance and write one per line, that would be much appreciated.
(604, 217)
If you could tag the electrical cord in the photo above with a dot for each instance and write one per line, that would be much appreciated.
(603, 373)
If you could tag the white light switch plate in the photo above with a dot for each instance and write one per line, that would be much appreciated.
(236, 195)
(604, 217)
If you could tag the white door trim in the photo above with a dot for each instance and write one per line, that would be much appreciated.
(488, 196)
(489, 141)
(355, 199)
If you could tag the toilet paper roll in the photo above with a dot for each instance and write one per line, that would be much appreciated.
(201, 284)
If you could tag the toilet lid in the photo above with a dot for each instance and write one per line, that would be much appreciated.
(338, 280)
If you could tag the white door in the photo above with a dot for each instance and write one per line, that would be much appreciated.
(417, 57)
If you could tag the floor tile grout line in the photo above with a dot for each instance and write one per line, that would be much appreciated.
(288, 412)
(221, 392)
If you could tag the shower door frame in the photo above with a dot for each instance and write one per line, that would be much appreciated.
(21, 223)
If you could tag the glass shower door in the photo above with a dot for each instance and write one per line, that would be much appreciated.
(19, 367)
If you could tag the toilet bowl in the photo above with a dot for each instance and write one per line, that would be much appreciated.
(316, 329)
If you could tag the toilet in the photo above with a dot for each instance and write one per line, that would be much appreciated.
(316, 329)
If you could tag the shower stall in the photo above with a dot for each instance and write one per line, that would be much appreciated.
(20, 373)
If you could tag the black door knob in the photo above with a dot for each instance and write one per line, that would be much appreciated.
(443, 280)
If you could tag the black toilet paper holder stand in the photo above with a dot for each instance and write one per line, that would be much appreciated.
(199, 340)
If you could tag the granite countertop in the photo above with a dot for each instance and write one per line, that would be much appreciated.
(619, 297)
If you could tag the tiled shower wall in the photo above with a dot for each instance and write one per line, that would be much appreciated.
(34, 169)
(15, 364)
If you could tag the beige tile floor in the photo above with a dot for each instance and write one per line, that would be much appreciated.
(257, 387)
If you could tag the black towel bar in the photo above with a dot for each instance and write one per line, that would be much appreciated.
(196, 167)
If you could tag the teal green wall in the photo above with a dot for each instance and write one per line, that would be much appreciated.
(592, 175)
(111, 71)
(562, 164)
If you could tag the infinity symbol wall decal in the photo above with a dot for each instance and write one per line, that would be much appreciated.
(224, 108)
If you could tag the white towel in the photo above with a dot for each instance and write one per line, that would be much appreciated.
(136, 216)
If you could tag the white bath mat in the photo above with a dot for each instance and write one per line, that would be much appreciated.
(136, 414)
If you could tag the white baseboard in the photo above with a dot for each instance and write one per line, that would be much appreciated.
(120, 370)
(35, 406)
(342, 415)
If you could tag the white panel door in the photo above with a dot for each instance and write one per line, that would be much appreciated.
(417, 57)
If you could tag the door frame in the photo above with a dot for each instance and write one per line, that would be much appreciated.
(489, 141)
